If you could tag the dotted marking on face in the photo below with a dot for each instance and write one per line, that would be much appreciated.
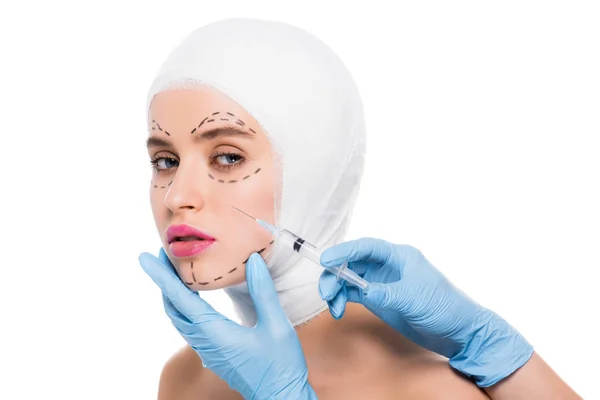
(235, 180)
(260, 251)
(201, 123)
(220, 277)
(194, 277)
(207, 120)
(161, 187)
(159, 128)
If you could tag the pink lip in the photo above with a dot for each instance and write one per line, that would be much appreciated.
(187, 248)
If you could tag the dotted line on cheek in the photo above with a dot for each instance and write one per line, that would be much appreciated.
(260, 251)
(220, 277)
(161, 187)
(234, 180)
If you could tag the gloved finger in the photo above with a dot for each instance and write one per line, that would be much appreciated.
(162, 256)
(262, 290)
(337, 306)
(385, 296)
(179, 321)
(188, 303)
(329, 285)
(355, 294)
(376, 251)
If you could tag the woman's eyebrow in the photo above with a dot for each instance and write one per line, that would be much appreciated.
(222, 131)
(154, 141)
(210, 134)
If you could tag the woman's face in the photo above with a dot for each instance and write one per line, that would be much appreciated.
(208, 154)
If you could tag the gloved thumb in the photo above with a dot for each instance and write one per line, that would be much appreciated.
(262, 290)
(383, 296)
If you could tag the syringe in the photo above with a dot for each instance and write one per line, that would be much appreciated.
(309, 251)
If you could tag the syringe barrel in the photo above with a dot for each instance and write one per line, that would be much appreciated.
(309, 251)
(300, 246)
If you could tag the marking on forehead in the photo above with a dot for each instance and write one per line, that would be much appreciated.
(204, 120)
(158, 127)
(238, 121)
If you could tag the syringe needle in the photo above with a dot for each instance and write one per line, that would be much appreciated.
(244, 213)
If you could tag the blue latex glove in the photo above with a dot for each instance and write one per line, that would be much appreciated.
(413, 297)
(262, 362)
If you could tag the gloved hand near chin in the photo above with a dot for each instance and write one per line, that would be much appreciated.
(263, 362)
(413, 297)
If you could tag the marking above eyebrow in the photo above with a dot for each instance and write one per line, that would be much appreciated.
(200, 124)
(159, 127)
(238, 121)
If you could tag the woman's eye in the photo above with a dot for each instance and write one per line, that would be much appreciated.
(164, 163)
(228, 159)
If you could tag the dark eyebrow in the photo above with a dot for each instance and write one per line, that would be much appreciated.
(210, 134)
(222, 131)
(154, 141)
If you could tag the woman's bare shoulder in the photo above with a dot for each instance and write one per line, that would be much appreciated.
(183, 377)
(436, 379)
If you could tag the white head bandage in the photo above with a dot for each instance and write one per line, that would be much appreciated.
(309, 107)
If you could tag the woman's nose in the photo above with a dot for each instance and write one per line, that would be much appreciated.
(185, 193)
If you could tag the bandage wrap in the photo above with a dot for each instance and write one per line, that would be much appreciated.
(309, 107)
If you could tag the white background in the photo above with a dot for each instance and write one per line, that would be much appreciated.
(483, 152)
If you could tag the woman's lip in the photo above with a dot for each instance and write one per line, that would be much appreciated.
(175, 231)
(190, 248)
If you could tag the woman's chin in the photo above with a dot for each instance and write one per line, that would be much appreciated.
(204, 273)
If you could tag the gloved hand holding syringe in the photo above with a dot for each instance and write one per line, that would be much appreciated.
(309, 251)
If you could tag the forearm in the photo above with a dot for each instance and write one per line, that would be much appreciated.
(534, 380)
